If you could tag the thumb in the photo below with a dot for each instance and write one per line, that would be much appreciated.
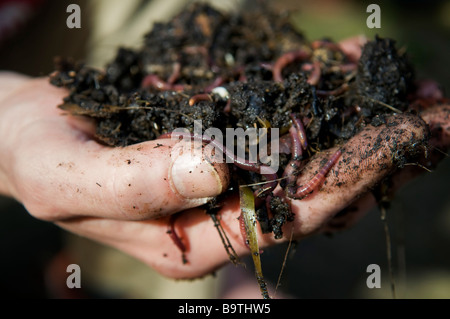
(146, 180)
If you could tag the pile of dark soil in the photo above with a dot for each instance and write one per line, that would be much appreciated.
(265, 71)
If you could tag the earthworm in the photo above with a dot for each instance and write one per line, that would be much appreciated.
(286, 59)
(155, 81)
(294, 163)
(220, 92)
(298, 143)
(217, 82)
(175, 238)
(338, 91)
(300, 131)
(312, 184)
(199, 97)
(175, 73)
(227, 108)
(344, 68)
(290, 57)
(314, 76)
(152, 80)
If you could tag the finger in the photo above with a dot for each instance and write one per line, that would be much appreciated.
(60, 172)
(149, 242)
(9, 82)
(438, 119)
(367, 158)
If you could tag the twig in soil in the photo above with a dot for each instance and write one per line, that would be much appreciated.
(420, 165)
(388, 248)
(232, 255)
(284, 260)
(266, 182)
(384, 104)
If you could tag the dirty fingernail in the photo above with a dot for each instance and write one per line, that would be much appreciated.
(193, 177)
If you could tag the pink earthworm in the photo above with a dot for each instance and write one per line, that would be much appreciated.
(199, 97)
(152, 80)
(175, 238)
(312, 184)
(285, 59)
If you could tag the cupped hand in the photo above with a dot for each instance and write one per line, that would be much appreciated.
(367, 159)
(123, 197)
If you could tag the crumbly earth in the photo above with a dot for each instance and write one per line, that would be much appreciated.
(144, 93)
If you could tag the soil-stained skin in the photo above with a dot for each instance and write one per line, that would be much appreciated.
(369, 157)
(378, 149)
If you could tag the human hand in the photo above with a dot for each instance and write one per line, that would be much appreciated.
(89, 194)
(51, 164)
(352, 186)
(344, 186)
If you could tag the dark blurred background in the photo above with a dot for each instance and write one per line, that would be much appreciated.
(322, 267)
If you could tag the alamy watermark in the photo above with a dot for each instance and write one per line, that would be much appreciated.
(253, 146)
(374, 279)
(374, 19)
(74, 279)
(74, 19)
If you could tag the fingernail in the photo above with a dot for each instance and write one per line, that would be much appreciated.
(193, 177)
